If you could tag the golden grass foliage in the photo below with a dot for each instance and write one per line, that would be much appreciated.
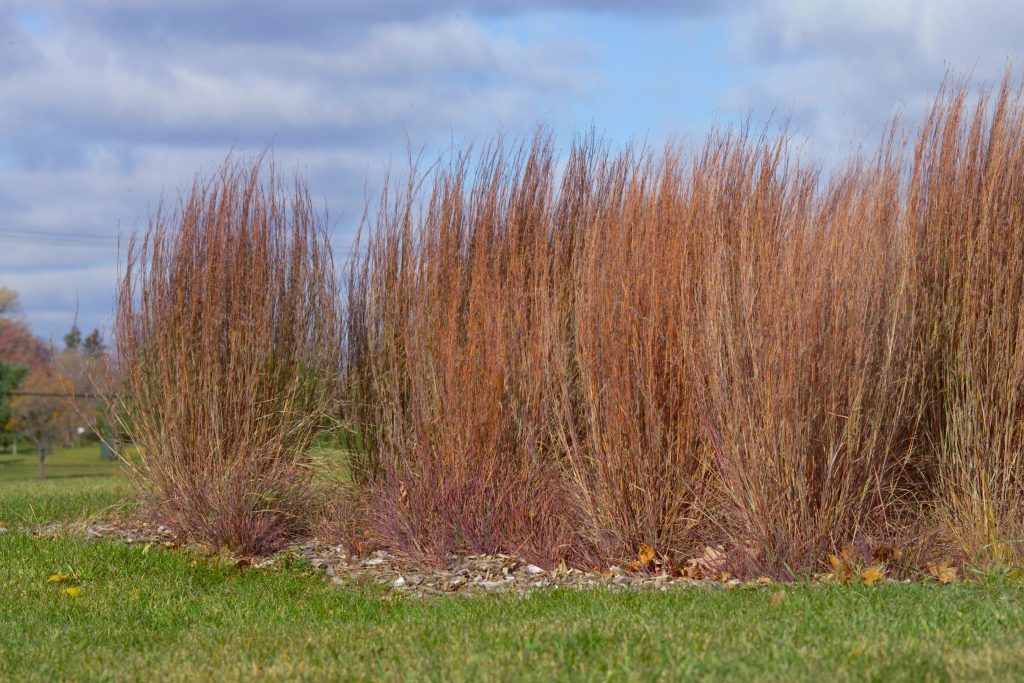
(573, 356)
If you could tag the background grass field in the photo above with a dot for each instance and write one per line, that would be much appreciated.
(78, 484)
(175, 615)
(83, 462)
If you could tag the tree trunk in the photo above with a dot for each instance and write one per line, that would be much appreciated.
(42, 466)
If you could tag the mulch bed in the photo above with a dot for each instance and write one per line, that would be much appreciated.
(464, 574)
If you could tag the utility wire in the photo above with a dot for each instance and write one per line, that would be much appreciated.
(58, 235)
(87, 240)
(58, 238)
(51, 394)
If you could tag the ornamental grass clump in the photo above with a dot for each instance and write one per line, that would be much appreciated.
(635, 461)
(452, 315)
(228, 342)
(637, 356)
(664, 349)
(802, 352)
(965, 224)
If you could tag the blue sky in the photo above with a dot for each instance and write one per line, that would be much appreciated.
(108, 104)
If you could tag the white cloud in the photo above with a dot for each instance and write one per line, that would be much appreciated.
(108, 103)
(104, 126)
(845, 68)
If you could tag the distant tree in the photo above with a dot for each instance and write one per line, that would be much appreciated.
(93, 346)
(9, 301)
(11, 376)
(87, 377)
(18, 345)
(43, 414)
(55, 392)
(73, 339)
(21, 353)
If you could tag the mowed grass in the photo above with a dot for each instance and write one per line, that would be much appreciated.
(70, 463)
(178, 616)
(166, 615)
(78, 484)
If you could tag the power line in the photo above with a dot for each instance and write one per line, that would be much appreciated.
(57, 235)
(51, 394)
(92, 241)
(48, 237)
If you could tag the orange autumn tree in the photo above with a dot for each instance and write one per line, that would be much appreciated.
(42, 413)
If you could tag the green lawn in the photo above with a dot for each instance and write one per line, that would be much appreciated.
(78, 484)
(166, 615)
(71, 463)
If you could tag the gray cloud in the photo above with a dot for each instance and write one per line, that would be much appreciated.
(424, 74)
(320, 21)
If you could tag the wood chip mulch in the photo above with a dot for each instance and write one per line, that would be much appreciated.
(466, 574)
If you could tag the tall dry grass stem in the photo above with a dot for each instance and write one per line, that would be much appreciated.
(228, 333)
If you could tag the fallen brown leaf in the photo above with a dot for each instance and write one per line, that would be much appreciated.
(843, 566)
(872, 574)
(944, 572)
